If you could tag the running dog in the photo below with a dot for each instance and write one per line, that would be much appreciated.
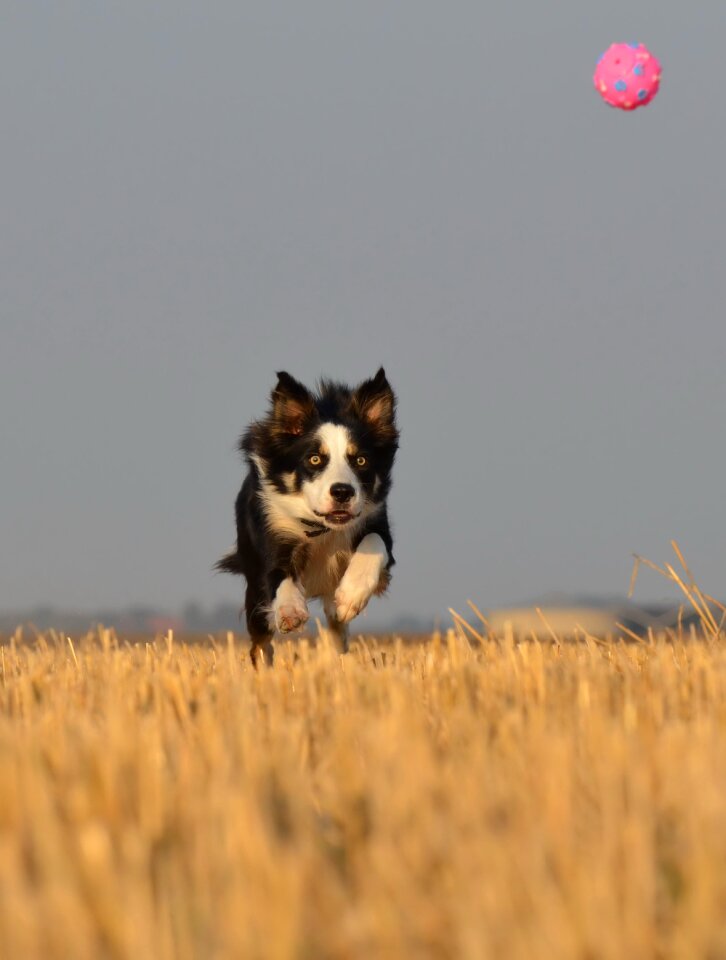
(311, 515)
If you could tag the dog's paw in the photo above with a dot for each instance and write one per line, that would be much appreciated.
(290, 617)
(289, 610)
(355, 590)
(362, 579)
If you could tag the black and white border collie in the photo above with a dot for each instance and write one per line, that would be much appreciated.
(311, 514)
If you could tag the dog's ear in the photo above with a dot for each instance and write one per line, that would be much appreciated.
(292, 405)
(375, 403)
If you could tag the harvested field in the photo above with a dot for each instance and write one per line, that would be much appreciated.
(435, 799)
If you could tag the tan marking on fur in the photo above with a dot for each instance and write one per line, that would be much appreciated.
(327, 560)
(289, 480)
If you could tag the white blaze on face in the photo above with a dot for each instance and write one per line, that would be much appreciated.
(335, 441)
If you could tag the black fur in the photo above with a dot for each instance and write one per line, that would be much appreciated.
(282, 442)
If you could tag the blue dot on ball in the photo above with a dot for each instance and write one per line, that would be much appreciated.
(621, 85)
(638, 70)
(642, 94)
(634, 46)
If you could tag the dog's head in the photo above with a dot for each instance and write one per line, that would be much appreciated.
(326, 457)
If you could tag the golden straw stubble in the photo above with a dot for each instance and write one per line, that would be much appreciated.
(448, 797)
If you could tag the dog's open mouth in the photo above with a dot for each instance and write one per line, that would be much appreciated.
(338, 518)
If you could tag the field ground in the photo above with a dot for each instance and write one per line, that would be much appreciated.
(434, 799)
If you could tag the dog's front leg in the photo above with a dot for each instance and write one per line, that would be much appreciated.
(289, 610)
(364, 577)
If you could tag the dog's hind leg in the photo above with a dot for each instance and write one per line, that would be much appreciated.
(338, 631)
(260, 636)
(261, 650)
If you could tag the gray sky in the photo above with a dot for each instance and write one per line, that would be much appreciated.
(196, 195)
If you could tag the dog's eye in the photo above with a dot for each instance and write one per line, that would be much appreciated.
(315, 460)
(361, 461)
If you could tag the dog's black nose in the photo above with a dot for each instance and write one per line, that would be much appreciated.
(341, 492)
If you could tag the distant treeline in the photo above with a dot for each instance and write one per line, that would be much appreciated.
(598, 615)
(194, 618)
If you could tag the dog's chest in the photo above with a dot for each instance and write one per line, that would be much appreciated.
(327, 559)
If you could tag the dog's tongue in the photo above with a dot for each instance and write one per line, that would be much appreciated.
(339, 516)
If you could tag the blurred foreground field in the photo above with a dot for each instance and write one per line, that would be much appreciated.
(430, 799)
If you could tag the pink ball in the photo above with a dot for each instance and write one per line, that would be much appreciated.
(627, 76)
